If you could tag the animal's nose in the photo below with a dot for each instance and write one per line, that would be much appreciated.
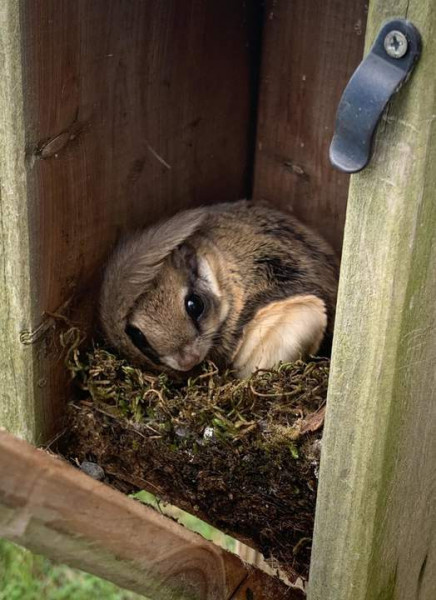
(188, 359)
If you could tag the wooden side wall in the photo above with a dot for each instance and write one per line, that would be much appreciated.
(310, 49)
(133, 111)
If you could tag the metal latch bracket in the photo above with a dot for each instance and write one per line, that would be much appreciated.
(380, 75)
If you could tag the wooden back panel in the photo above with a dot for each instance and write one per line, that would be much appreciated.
(310, 49)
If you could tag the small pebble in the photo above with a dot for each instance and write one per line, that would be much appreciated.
(93, 470)
(181, 432)
(209, 433)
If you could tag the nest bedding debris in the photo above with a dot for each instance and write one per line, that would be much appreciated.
(241, 454)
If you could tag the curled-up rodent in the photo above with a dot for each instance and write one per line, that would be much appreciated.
(242, 284)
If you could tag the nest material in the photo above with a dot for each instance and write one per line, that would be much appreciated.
(241, 454)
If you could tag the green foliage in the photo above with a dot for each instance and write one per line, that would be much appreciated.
(187, 520)
(25, 576)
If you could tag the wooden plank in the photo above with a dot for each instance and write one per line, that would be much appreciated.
(375, 534)
(56, 510)
(310, 50)
(17, 410)
(133, 111)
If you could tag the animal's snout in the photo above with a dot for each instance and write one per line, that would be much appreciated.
(188, 359)
(185, 359)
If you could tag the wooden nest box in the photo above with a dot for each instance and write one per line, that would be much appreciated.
(114, 114)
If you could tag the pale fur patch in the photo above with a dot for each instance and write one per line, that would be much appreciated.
(206, 273)
(171, 362)
(285, 331)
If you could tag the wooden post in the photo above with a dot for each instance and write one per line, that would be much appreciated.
(17, 408)
(53, 509)
(375, 532)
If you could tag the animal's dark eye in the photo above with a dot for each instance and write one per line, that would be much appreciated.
(139, 340)
(136, 336)
(194, 306)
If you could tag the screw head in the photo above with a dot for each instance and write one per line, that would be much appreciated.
(396, 44)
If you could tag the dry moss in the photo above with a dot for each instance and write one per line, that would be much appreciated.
(243, 455)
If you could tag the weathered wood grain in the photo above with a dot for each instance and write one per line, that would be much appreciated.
(17, 408)
(133, 111)
(53, 509)
(375, 533)
(309, 51)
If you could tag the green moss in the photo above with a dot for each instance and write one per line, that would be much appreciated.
(270, 409)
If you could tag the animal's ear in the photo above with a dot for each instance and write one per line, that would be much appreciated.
(185, 258)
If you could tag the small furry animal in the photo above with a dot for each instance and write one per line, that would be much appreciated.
(241, 283)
